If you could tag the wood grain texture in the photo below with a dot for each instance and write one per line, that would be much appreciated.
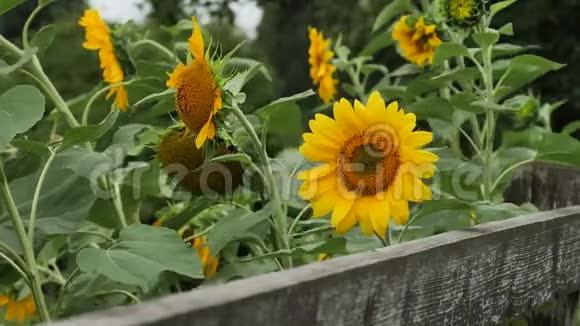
(479, 276)
(546, 186)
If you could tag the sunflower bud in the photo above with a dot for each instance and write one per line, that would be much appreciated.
(461, 13)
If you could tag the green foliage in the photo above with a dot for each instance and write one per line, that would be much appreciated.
(139, 256)
(20, 109)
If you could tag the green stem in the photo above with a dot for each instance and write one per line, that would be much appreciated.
(383, 240)
(508, 170)
(29, 21)
(297, 219)
(280, 217)
(118, 203)
(17, 268)
(36, 197)
(406, 227)
(201, 234)
(15, 255)
(123, 292)
(358, 86)
(62, 291)
(26, 247)
(489, 123)
(313, 231)
(56, 277)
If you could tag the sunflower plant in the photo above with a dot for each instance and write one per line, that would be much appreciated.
(168, 175)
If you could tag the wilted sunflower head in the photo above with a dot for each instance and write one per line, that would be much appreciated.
(98, 38)
(198, 96)
(321, 68)
(180, 156)
(371, 165)
(417, 39)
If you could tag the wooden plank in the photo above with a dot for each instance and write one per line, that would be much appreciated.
(546, 186)
(479, 276)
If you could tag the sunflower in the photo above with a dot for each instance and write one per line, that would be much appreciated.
(417, 41)
(18, 310)
(210, 264)
(178, 154)
(198, 97)
(372, 165)
(321, 69)
(98, 37)
(464, 12)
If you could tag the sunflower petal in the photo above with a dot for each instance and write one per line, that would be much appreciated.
(347, 223)
(317, 172)
(379, 216)
(196, 41)
(207, 132)
(341, 209)
(418, 139)
(318, 154)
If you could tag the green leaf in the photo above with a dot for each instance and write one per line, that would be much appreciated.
(447, 51)
(84, 134)
(507, 29)
(89, 164)
(21, 108)
(236, 157)
(141, 254)
(379, 42)
(391, 10)
(235, 226)
(6, 5)
(63, 205)
(499, 6)
(486, 39)
(524, 69)
(27, 55)
(485, 105)
(128, 138)
(43, 38)
(432, 206)
(433, 107)
(249, 64)
(235, 85)
(560, 149)
(33, 147)
(406, 70)
(464, 101)
(506, 49)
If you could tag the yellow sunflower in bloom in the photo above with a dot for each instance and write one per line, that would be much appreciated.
(210, 264)
(98, 37)
(371, 165)
(321, 69)
(18, 311)
(198, 97)
(417, 42)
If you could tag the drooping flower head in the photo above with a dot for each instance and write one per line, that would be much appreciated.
(198, 97)
(321, 68)
(371, 165)
(417, 40)
(98, 38)
(178, 154)
(18, 310)
(210, 264)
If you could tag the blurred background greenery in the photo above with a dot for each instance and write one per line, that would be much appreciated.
(281, 39)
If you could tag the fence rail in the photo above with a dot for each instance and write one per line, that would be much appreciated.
(477, 276)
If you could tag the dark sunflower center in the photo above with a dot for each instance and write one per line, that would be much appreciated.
(195, 95)
(369, 161)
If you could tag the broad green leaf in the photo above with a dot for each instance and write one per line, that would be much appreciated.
(246, 63)
(506, 158)
(43, 38)
(464, 101)
(486, 39)
(33, 147)
(507, 29)
(560, 149)
(141, 254)
(63, 204)
(506, 49)
(499, 6)
(523, 70)
(27, 55)
(235, 226)
(89, 164)
(432, 206)
(447, 51)
(391, 10)
(379, 42)
(6, 5)
(21, 108)
(84, 134)
(237, 83)
(358, 242)
(128, 137)
(433, 107)
(240, 270)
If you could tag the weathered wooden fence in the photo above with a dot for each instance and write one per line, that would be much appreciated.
(478, 276)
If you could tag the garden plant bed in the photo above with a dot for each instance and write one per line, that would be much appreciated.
(478, 276)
